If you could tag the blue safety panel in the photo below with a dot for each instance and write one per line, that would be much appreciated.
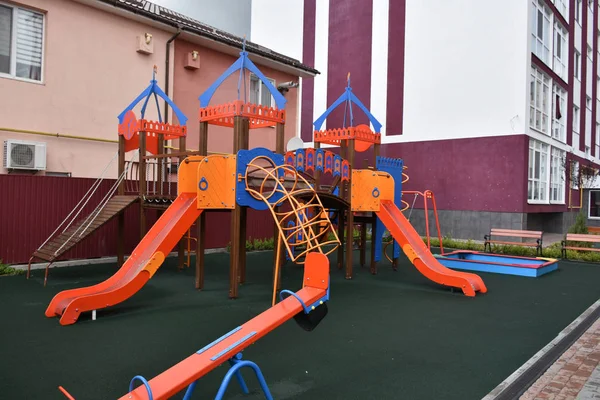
(319, 160)
(300, 160)
(225, 336)
(394, 167)
(244, 157)
(234, 345)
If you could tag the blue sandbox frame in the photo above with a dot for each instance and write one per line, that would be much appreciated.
(498, 263)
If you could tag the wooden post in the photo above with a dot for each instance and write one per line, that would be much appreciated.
(181, 247)
(374, 217)
(341, 216)
(350, 215)
(238, 242)
(142, 170)
(278, 263)
(160, 161)
(121, 217)
(201, 223)
(244, 145)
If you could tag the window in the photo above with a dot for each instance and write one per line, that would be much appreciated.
(576, 127)
(577, 65)
(578, 11)
(589, 52)
(259, 94)
(539, 101)
(537, 185)
(557, 174)
(540, 31)
(588, 103)
(561, 6)
(560, 51)
(594, 204)
(21, 43)
(559, 99)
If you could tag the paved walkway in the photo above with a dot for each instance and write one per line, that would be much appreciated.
(575, 375)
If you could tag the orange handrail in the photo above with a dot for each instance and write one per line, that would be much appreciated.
(428, 194)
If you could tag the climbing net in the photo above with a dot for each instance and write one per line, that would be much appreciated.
(302, 220)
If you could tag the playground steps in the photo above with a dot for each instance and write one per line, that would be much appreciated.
(50, 251)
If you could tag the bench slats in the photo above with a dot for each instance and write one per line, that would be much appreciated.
(582, 237)
(515, 243)
(580, 248)
(511, 232)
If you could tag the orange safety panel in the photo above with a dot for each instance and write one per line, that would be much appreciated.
(216, 181)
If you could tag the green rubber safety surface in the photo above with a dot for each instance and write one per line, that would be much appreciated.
(390, 336)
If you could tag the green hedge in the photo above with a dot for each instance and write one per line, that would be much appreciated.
(552, 251)
(6, 270)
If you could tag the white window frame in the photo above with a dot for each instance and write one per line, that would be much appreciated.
(561, 123)
(543, 148)
(260, 89)
(557, 173)
(597, 153)
(560, 61)
(576, 126)
(577, 11)
(589, 215)
(13, 45)
(577, 61)
(562, 7)
(539, 80)
(544, 43)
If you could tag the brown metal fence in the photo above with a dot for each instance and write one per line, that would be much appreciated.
(31, 207)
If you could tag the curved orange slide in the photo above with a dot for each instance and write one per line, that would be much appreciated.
(416, 251)
(146, 258)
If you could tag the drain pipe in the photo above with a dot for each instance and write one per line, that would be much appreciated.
(167, 66)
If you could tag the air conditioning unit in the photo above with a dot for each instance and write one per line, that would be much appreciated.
(19, 154)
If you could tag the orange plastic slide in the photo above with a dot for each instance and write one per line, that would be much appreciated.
(146, 258)
(414, 248)
(179, 376)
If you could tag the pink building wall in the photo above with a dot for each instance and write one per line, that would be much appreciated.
(91, 73)
(190, 84)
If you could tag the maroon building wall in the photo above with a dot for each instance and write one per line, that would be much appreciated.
(31, 207)
(350, 37)
(478, 174)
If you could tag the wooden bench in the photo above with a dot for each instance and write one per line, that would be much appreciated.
(495, 232)
(579, 237)
(594, 229)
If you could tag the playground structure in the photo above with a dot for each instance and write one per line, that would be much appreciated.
(299, 203)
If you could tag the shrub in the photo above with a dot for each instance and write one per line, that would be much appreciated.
(8, 270)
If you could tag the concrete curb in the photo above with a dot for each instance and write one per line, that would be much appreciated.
(92, 261)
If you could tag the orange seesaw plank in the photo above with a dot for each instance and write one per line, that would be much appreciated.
(418, 254)
(146, 258)
(179, 376)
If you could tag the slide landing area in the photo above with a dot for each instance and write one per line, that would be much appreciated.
(146, 258)
(420, 256)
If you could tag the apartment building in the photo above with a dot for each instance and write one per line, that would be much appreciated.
(492, 105)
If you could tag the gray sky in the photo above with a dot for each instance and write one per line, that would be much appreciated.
(233, 16)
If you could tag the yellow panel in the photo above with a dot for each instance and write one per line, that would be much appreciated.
(364, 195)
(186, 175)
(215, 182)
